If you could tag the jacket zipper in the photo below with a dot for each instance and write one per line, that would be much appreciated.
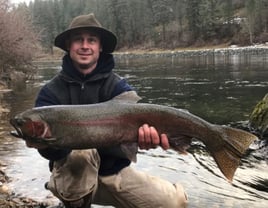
(82, 85)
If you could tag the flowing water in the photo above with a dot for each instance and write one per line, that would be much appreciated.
(222, 90)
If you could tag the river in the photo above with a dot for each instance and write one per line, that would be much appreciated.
(222, 90)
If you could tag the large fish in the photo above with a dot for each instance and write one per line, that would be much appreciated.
(116, 122)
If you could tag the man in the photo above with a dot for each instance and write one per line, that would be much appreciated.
(101, 176)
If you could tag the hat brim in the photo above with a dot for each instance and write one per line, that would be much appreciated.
(108, 39)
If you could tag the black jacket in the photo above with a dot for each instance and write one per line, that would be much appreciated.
(72, 87)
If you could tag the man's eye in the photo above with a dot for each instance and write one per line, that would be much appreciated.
(77, 39)
(92, 40)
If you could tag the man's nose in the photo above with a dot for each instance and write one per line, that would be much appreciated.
(85, 44)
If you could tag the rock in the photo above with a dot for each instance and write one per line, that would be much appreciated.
(4, 110)
(258, 120)
(3, 85)
(4, 189)
(17, 76)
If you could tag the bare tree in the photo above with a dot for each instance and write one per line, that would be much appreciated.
(17, 39)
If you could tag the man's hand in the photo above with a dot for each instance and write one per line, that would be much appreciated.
(149, 138)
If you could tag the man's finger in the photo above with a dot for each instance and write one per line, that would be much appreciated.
(141, 138)
(155, 139)
(164, 142)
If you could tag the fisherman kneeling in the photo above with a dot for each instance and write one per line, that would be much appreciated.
(100, 176)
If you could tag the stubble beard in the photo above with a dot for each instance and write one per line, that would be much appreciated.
(87, 68)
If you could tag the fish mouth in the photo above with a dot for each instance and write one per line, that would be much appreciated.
(17, 133)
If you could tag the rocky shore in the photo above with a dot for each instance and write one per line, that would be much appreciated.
(11, 200)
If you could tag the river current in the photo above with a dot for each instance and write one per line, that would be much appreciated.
(222, 90)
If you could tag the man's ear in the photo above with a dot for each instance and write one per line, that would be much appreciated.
(67, 44)
(101, 48)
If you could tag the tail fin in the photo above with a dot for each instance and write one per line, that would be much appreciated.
(228, 156)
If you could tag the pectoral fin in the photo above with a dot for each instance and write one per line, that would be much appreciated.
(180, 143)
(130, 150)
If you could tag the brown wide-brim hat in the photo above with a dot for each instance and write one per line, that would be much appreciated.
(108, 39)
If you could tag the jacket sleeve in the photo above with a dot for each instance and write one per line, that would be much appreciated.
(46, 98)
(121, 86)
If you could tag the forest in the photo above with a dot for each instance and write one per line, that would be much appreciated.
(138, 24)
(160, 23)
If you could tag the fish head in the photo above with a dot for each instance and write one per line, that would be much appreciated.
(30, 125)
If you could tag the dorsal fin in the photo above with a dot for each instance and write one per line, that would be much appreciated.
(129, 96)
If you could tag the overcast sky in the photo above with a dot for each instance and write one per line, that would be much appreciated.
(20, 1)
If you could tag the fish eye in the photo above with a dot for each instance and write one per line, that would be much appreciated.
(19, 121)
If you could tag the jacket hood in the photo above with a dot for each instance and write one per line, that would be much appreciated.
(104, 66)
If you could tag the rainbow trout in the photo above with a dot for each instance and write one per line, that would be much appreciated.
(116, 122)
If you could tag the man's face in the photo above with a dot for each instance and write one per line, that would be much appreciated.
(84, 48)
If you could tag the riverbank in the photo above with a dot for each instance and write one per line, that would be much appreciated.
(8, 199)
(221, 50)
(190, 52)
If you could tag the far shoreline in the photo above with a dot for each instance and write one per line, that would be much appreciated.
(224, 50)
